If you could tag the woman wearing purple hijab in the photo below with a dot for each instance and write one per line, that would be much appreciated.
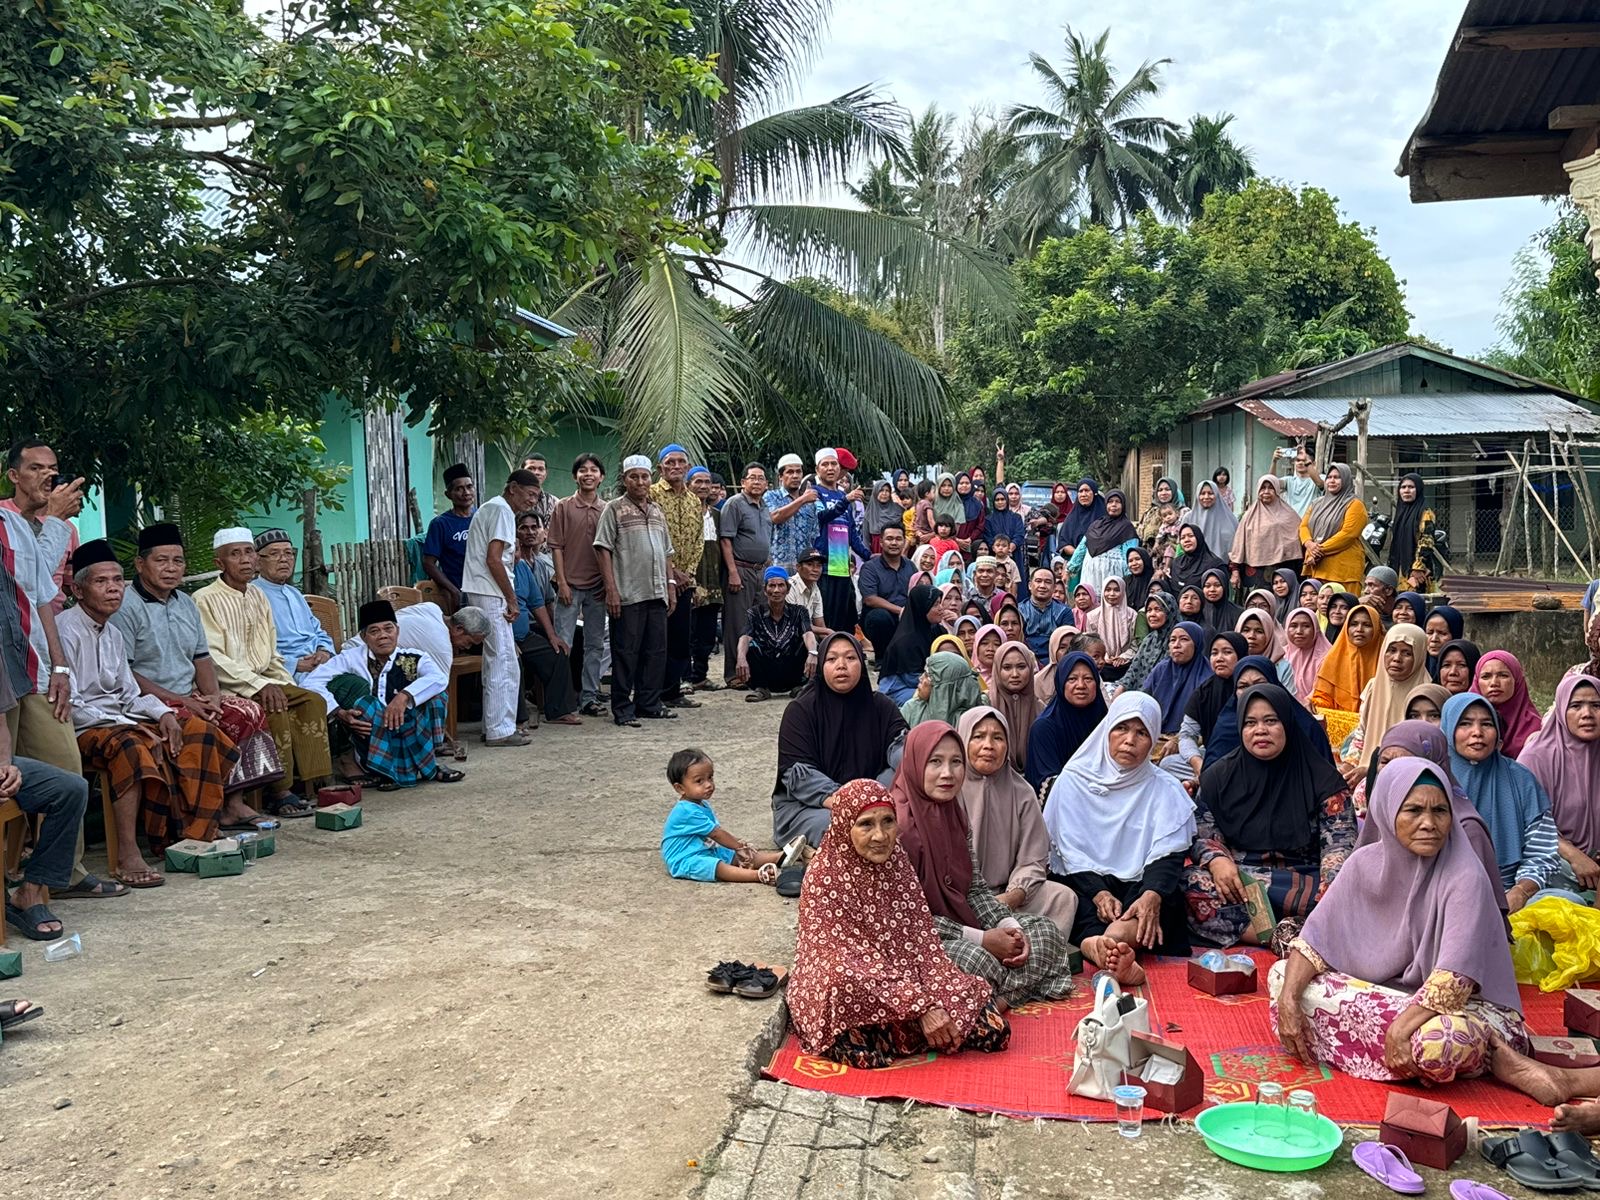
(1421, 994)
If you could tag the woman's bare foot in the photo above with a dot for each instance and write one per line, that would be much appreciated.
(1532, 1078)
(236, 812)
(1124, 966)
(1577, 1118)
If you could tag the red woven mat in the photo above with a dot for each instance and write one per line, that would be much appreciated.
(1230, 1037)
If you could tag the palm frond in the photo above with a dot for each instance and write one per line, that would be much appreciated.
(763, 49)
(817, 146)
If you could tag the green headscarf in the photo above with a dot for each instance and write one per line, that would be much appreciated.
(955, 689)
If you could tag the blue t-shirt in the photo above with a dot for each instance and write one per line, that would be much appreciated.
(447, 541)
(529, 597)
(683, 837)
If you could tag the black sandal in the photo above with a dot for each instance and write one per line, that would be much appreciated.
(1530, 1159)
(448, 775)
(762, 984)
(10, 1017)
(789, 880)
(289, 807)
(725, 975)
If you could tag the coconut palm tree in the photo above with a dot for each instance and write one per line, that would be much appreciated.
(1203, 159)
(1092, 144)
(692, 370)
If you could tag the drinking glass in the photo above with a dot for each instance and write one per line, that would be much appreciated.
(1272, 1112)
(1129, 1099)
(1302, 1118)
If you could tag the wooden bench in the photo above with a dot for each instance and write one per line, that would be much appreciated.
(11, 829)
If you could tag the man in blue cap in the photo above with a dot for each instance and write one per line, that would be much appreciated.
(686, 527)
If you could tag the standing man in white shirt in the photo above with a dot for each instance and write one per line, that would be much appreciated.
(486, 583)
(1305, 485)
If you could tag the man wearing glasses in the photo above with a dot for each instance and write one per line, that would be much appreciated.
(302, 642)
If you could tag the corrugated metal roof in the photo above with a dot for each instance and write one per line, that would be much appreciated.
(1437, 414)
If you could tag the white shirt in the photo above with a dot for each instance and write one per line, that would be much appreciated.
(103, 688)
(355, 659)
(422, 625)
(35, 557)
(808, 599)
(493, 522)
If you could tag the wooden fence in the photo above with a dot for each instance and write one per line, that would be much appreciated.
(359, 569)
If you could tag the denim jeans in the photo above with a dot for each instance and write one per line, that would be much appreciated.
(590, 603)
(60, 798)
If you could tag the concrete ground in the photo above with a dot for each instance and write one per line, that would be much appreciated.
(493, 990)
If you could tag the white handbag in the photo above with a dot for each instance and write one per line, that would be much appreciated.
(1104, 1047)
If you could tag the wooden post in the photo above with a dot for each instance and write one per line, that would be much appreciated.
(1555, 503)
(1527, 524)
(1502, 562)
(1585, 501)
(1527, 483)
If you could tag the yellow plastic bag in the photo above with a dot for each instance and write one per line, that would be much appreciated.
(1573, 933)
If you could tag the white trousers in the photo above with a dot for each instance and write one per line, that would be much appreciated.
(502, 670)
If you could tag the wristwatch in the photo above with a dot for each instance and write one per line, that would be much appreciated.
(61, 670)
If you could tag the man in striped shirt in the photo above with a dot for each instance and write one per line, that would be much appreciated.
(244, 649)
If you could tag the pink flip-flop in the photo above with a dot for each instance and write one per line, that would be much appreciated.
(1389, 1166)
(1471, 1189)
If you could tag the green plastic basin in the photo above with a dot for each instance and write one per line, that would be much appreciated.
(1229, 1131)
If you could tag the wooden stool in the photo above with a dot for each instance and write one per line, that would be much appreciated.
(11, 828)
(461, 666)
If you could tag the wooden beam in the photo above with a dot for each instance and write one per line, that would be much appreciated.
(1574, 116)
(1464, 175)
(1553, 35)
(1526, 142)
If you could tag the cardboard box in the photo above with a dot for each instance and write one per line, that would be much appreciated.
(183, 856)
(1232, 980)
(10, 964)
(1566, 1051)
(266, 845)
(221, 862)
(1581, 1012)
(1182, 1086)
(339, 793)
(339, 816)
(1427, 1131)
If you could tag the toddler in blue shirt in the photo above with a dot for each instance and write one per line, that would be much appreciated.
(693, 845)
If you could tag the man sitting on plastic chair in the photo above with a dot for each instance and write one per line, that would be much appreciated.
(388, 701)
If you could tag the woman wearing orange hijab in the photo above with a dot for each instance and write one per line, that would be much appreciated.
(1347, 670)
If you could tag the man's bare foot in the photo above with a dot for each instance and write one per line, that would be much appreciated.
(134, 871)
(236, 812)
(1577, 1118)
(1124, 966)
(1532, 1078)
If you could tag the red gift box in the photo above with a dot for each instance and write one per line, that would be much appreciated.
(1177, 1097)
(1222, 983)
(339, 793)
(1566, 1051)
(1581, 1012)
(1425, 1131)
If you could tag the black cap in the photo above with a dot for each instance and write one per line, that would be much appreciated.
(163, 533)
(458, 471)
(90, 553)
(811, 555)
(374, 612)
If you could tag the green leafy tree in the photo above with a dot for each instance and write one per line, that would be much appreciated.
(1549, 321)
(1203, 159)
(206, 215)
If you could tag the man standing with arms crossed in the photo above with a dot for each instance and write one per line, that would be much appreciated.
(686, 526)
(746, 538)
(486, 583)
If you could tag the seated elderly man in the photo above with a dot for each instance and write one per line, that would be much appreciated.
(1379, 589)
(170, 658)
(303, 644)
(167, 772)
(388, 698)
(244, 646)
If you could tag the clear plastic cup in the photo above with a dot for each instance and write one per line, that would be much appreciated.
(1129, 1099)
(68, 947)
(248, 847)
(1302, 1118)
(1272, 1111)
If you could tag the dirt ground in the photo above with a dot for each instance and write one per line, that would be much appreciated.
(490, 989)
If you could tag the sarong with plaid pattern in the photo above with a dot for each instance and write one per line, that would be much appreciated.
(177, 800)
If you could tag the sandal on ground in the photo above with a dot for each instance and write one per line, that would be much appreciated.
(662, 715)
(1471, 1189)
(794, 852)
(762, 983)
(141, 879)
(722, 977)
(789, 880)
(1529, 1158)
(289, 807)
(767, 873)
(1389, 1166)
(1574, 1150)
(26, 921)
(630, 723)
(367, 781)
(593, 709)
(448, 775)
(11, 1016)
(684, 701)
(90, 888)
(260, 824)
(388, 785)
(757, 696)
(565, 719)
(511, 739)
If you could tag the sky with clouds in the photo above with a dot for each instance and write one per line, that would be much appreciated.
(1323, 94)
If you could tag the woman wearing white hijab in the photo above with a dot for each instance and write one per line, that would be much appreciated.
(1119, 832)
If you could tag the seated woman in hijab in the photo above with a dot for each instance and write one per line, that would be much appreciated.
(1191, 604)
(1500, 681)
(1335, 611)
(1458, 666)
(1223, 652)
(1161, 616)
(1075, 709)
(1262, 636)
(1103, 551)
(1273, 812)
(966, 631)
(1402, 667)
(1024, 956)
(1119, 832)
(1196, 558)
(1409, 609)
(871, 982)
(1305, 648)
(907, 652)
(1443, 625)
(1286, 587)
(1252, 671)
(1421, 993)
(1507, 795)
(1345, 673)
(838, 729)
(1564, 758)
(1008, 831)
(1175, 678)
(1044, 683)
(1113, 620)
(1218, 612)
(985, 646)
(948, 688)
(1425, 702)
(1331, 531)
(1011, 692)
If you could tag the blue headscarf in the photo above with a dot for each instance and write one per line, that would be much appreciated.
(772, 573)
(1419, 606)
(1062, 727)
(1457, 626)
(1172, 683)
(1225, 734)
(1505, 793)
(1004, 522)
(1075, 523)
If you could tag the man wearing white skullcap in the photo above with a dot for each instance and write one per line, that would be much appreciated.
(634, 547)
(243, 638)
(487, 581)
(794, 513)
(838, 535)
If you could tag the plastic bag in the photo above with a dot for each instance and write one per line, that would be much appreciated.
(1572, 932)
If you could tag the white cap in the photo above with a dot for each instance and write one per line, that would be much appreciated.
(227, 537)
(790, 460)
(636, 462)
(825, 454)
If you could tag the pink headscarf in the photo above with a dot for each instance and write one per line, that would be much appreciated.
(987, 675)
(1276, 642)
(1568, 770)
(1305, 662)
(1519, 719)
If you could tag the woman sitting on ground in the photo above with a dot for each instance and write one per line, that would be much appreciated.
(1119, 832)
(910, 644)
(1044, 683)
(1250, 672)
(1458, 665)
(1074, 711)
(1161, 615)
(1112, 621)
(1403, 666)
(1500, 681)
(1262, 636)
(1305, 648)
(948, 687)
(1023, 956)
(985, 646)
(871, 982)
(1274, 811)
(1334, 614)
(1443, 625)
(1012, 693)
(1217, 611)
(1564, 756)
(778, 650)
(1008, 831)
(1409, 609)
(1419, 994)
(1205, 706)
(1507, 795)
(1174, 680)
(1345, 673)
(838, 729)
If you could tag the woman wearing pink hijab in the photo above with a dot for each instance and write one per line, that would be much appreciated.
(1564, 756)
(1305, 646)
(1500, 681)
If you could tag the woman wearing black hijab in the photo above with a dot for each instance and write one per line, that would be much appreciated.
(907, 652)
(1197, 557)
(1136, 585)
(1407, 525)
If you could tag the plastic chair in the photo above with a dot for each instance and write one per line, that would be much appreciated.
(399, 596)
(327, 613)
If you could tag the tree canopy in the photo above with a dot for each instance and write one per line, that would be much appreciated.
(1550, 318)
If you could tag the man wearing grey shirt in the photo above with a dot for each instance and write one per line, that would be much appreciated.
(746, 538)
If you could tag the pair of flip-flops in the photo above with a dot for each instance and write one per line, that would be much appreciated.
(1390, 1167)
(753, 981)
(1545, 1162)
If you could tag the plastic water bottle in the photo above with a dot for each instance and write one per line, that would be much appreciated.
(68, 947)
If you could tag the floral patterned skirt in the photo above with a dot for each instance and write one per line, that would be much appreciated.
(1349, 1017)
